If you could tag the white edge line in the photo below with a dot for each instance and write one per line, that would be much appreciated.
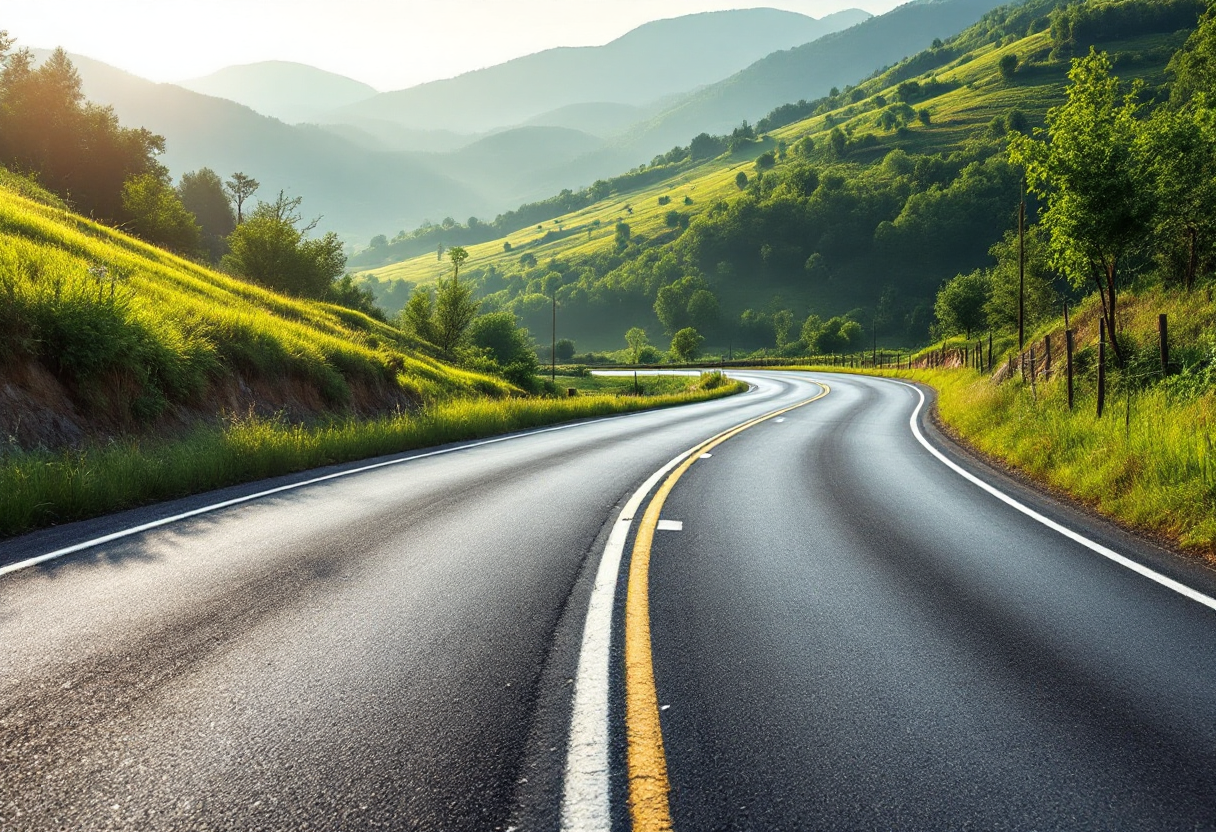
(1139, 568)
(585, 800)
(165, 521)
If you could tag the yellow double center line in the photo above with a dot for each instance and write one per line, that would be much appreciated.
(647, 762)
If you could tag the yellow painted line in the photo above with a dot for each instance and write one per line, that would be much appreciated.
(646, 760)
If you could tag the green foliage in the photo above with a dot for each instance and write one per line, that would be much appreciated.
(42, 488)
(202, 194)
(1095, 179)
(1180, 146)
(564, 350)
(1194, 66)
(837, 335)
(154, 212)
(75, 149)
(1008, 66)
(418, 315)
(1041, 298)
(960, 305)
(508, 346)
(637, 342)
(686, 344)
(741, 180)
(271, 250)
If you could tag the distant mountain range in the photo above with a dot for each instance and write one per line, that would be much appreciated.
(287, 91)
(663, 58)
(489, 140)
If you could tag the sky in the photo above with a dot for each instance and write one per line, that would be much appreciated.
(389, 44)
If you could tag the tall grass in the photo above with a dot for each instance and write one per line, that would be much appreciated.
(39, 489)
(96, 305)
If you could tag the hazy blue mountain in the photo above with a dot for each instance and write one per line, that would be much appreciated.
(603, 119)
(356, 190)
(655, 60)
(520, 164)
(806, 72)
(287, 91)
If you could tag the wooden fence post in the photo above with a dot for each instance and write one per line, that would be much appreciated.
(1163, 331)
(1046, 356)
(1101, 365)
(1068, 350)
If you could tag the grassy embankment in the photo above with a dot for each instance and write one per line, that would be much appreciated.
(130, 375)
(1150, 461)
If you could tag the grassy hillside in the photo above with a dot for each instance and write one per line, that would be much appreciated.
(919, 168)
(130, 337)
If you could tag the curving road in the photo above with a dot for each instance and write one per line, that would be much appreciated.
(846, 634)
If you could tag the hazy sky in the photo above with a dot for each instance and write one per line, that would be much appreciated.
(389, 44)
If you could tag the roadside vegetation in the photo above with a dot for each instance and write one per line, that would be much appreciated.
(39, 488)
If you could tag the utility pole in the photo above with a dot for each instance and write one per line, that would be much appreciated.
(1022, 268)
(553, 344)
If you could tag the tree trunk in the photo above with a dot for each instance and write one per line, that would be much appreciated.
(1110, 318)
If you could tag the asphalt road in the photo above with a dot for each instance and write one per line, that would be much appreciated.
(846, 635)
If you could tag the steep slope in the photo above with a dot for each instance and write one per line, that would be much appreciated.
(652, 61)
(287, 91)
(102, 335)
(808, 71)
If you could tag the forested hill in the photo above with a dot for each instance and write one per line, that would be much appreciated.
(859, 204)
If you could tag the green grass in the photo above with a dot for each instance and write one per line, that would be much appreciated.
(133, 330)
(41, 488)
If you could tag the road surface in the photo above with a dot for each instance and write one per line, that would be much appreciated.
(845, 633)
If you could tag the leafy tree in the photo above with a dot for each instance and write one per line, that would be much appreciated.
(455, 310)
(672, 302)
(961, 301)
(564, 349)
(1092, 174)
(457, 255)
(76, 149)
(418, 315)
(346, 292)
(1039, 297)
(838, 143)
(506, 247)
(741, 180)
(271, 248)
(783, 323)
(1194, 66)
(527, 260)
(155, 213)
(202, 193)
(766, 160)
(499, 337)
(1181, 147)
(924, 117)
(686, 344)
(637, 342)
(240, 189)
(623, 234)
(703, 310)
(1008, 66)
